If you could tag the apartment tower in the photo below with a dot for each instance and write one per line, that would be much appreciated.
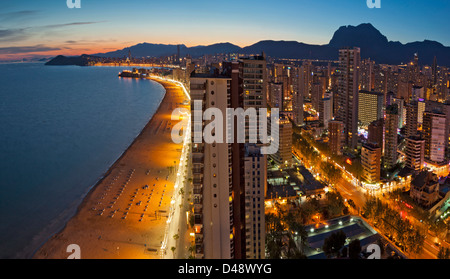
(349, 61)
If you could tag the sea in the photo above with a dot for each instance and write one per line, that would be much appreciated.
(61, 128)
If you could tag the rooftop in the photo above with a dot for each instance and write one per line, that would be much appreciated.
(424, 178)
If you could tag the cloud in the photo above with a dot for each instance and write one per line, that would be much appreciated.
(89, 42)
(26, 49)
(13, 35)
(17, 16)
(71, 24)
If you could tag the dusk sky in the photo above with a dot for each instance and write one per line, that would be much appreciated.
(49, 27)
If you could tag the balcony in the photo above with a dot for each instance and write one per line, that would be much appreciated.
(198, 219)
(198, 199)
(198, 149)
(197, 160)
(197, 170)
(198, 209)
(197, 181)
(198, 191)
(198, 240)
(198, 86)
(199, 252)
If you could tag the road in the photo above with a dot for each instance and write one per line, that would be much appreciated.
(359, 196)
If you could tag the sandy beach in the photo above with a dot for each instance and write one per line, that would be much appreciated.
(124, 215)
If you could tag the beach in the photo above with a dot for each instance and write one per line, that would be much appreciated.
(124, 215)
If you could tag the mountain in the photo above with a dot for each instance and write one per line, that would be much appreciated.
(376, 46)
(373, 45)
(143, 50)
(211, 49)
(292, 49)
(158, 50)
(372, 42)
(61, 60)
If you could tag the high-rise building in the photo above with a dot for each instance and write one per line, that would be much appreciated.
(415, 152)
(380, 79)
(316, 95)
(335, 136)
(276, 95)
(445, 109)
(349, 62)
(371, 163)
(366, 76)
(221, 174)
(417, 93)
(435, 71)
(412, 111)
(255, 176)
(390, 98)
(370, 107)
(326, 109)
(283, 157)
(297, 96)
(421, 107)
(434, 134)
(391, 140)
(297, 108)
(305, 78)
(401, 111)
(214, 225)
(254, 82)
(253, 76)
(376, 133)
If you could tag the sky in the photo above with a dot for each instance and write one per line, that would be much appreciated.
(46, 28)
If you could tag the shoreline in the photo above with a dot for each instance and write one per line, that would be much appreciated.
(28, 253)
(55, 245)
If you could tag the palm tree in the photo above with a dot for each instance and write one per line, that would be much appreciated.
(334, 243)
(354, 249)
(191, 250)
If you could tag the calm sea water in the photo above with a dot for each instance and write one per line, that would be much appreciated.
(61, 128)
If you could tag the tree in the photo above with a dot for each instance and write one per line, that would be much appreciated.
(296, 228)
(173, 250)
(192, 251)
(354, 249)
(444, 253)
(351, 203)
(274, 236)
(331, 172)
(335, 204)
(334, 243)
(292, 251)
(273, 248)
